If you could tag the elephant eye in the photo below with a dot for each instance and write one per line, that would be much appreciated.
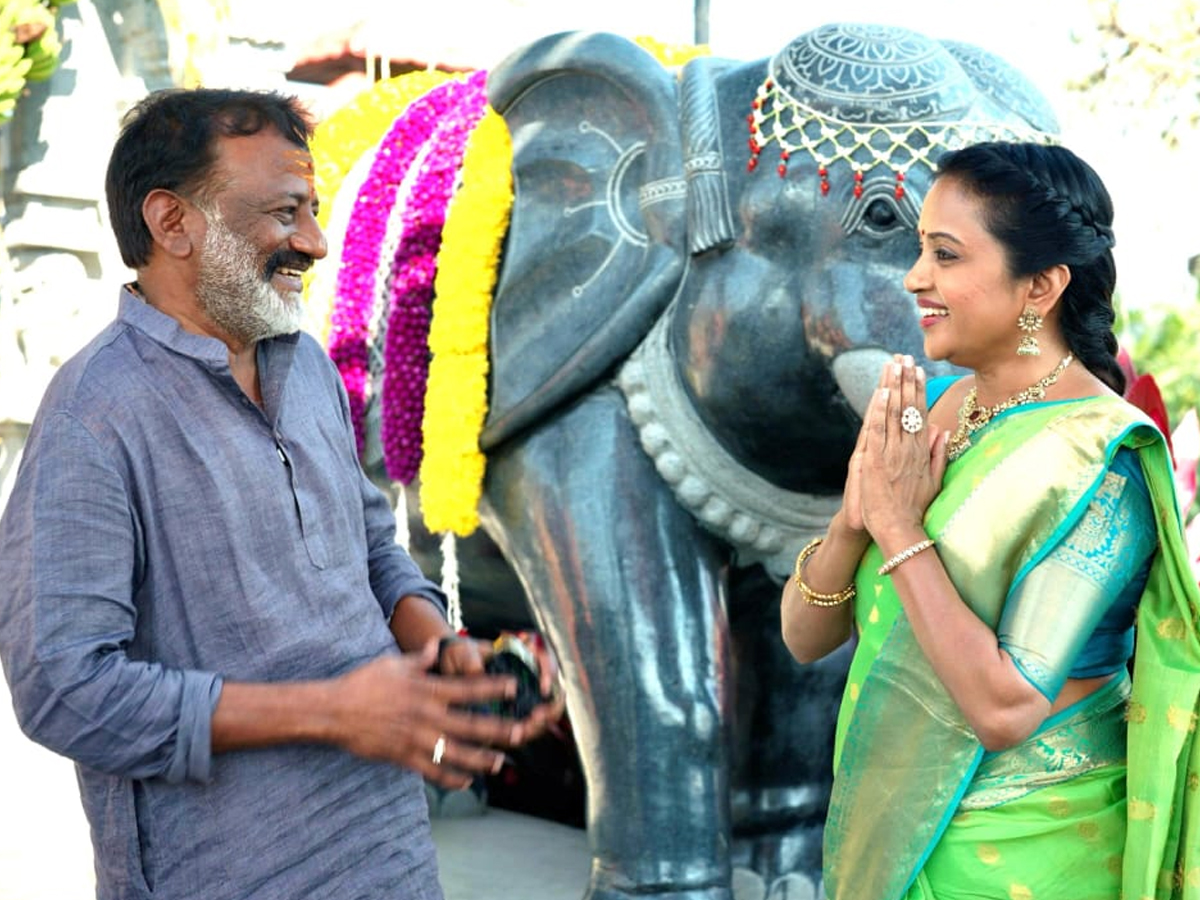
(879, 212)
(880, 215)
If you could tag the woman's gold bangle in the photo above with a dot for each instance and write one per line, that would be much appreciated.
(816, 598)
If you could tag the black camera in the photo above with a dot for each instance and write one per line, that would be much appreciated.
(509, 656)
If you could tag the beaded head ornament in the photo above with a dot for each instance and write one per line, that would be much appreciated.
(871, 95)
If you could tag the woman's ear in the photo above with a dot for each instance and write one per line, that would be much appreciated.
(1048, 286)
(171, 221)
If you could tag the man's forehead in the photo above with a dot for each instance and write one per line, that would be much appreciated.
(300, 160)
(264, 153)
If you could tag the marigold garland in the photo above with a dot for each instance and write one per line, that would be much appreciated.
(354, 304)
(406, 343)
(339, 144)
(452, 467)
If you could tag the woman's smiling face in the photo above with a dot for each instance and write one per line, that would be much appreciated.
(967, 299)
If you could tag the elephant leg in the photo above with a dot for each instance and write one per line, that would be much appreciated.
(628, 591)
(786, 715)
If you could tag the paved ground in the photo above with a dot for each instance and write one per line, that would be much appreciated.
(45, 853)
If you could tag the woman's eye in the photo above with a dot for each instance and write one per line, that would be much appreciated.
(943, 255)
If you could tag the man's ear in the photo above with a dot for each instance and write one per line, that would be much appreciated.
(172, 222)
(1047, 288)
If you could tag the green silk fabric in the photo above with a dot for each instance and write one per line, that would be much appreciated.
(905, 756)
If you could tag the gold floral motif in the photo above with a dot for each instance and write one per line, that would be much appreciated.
(1193, 781)
(873, 616)
(1140, 810)
(988, 854)
(1019, 892)
(1089, 831)
(1172, 629)
(1181, 719)
(854, 692)
(1136, 714)
(1059, 807)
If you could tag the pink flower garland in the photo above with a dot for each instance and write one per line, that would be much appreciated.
(354, 303)
(406, 345)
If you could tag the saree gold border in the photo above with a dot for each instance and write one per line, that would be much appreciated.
(1090, 737)
(908, 755)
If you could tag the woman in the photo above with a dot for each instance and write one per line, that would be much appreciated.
(998, 535)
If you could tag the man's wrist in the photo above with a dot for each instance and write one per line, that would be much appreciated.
(417, 620)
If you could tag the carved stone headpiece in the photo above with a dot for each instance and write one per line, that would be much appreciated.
(871, 94)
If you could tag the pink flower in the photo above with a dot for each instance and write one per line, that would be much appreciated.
(355, 301)
(406, 343)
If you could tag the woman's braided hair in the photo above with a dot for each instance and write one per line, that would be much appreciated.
(1047, 207)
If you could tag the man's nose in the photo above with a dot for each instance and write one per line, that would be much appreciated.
(310, 239)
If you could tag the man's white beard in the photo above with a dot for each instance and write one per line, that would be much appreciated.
(234, 293)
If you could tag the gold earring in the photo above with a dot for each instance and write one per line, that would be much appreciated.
(1031, 323)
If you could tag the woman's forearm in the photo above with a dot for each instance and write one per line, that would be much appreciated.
(812, 630)
(999, 704)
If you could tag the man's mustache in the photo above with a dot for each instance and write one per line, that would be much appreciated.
(287, 259)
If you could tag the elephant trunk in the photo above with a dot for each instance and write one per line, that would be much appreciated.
(857, 373)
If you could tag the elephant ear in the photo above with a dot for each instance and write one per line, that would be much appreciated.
(1005, 85)
(595, 247)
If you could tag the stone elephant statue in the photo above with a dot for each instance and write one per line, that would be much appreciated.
(701, 278)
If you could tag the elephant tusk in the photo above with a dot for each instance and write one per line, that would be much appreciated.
(857, 374)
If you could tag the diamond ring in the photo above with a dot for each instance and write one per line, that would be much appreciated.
(911, 420)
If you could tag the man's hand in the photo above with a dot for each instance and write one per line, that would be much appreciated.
(395, 708)
(467, 656)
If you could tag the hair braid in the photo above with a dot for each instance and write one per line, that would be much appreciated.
(1048, 207)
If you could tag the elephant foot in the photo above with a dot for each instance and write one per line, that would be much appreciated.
(776, 851)
(597, 892)
(608, 884)
(746, 885)
(749, 885)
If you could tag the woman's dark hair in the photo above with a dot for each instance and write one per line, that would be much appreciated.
(168, 141)
(1047, 207)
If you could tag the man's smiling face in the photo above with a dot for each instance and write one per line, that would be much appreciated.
(261, 237)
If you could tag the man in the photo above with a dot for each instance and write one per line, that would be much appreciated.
(201, 599)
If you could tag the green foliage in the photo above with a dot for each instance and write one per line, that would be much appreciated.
(1163, 342)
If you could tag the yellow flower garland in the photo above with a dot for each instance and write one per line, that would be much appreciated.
(452, 465)
(337, 144)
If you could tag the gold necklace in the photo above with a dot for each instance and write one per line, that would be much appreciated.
(971, 417)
